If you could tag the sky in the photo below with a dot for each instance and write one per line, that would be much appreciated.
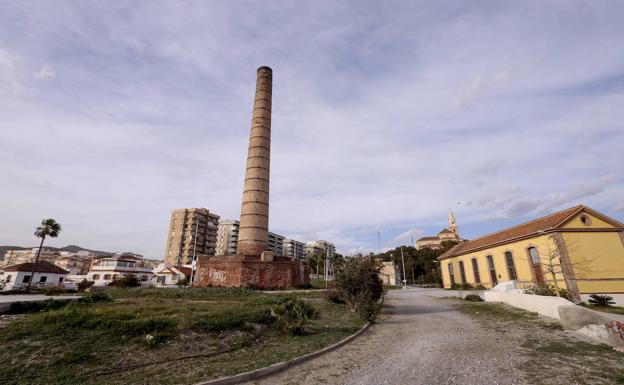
(385, 115)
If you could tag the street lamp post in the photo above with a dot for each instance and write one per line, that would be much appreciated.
(404, 276)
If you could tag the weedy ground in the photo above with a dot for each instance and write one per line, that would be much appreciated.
(163, 336)
(550, 354)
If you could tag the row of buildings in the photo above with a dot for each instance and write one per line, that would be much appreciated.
(101, 271)
(197, 231)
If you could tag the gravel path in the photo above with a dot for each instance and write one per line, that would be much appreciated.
(418, 340)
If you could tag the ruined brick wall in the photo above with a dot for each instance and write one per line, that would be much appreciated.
(237, 271)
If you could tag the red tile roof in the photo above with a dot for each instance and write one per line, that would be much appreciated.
(525, 229)
(185, 270)
(42, 267)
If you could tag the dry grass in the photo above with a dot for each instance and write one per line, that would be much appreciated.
(157, 330)
(550, 355)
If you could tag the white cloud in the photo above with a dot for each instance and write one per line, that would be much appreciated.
(9, 75)
(8, 59)
(383, 116)
(45, 72)
(408, 235)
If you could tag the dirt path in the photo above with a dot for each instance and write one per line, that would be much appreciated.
(417, 340)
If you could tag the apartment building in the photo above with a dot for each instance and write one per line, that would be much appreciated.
(192, 231)
(17, 257)
(227, 239)
(118, 266)
(327, 248)
(294, 249)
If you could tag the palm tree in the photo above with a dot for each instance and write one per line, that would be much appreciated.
(337, 263)
(317, 259)
(49, 228)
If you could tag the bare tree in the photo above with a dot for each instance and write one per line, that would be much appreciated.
(551, 263)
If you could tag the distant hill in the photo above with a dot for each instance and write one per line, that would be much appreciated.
(70, 248)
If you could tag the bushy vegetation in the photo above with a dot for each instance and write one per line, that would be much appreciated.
(205, 293)
(360, 286)
(36, 306)
(420, 265)
(84, 285)
(292, 315)
(65, 344)
(601, 300)
(461, 286)
(94, 297)
(547, 290)
(126, 281)
(473, 298)
(333, 294)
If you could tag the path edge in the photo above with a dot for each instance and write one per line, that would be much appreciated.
(280, 366)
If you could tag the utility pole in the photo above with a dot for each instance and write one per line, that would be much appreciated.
(403, 262)
(194, 247)
(379, 240)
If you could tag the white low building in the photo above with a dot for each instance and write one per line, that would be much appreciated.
(118, 266)
(46, 275)
(167, 275)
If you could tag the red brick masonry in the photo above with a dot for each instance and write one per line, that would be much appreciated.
(240, 271)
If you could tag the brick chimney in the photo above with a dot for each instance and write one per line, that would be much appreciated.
(254, 219)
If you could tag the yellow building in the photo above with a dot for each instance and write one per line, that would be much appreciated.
(582, 248)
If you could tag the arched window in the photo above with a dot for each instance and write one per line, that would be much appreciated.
(96, 276)
(511, 267)
(534, 256)
(107, 276)
(462, 272)
(492, 269)
(475, 269)
(537, 266)
(451, 274)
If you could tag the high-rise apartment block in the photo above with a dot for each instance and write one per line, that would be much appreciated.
(191, 232)
(327, 248)
(227, 239)
(294, 249)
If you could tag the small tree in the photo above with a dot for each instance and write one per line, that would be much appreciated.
(360, 285)
(337, 263)
(552, 265)
(49, 228)
(317, 260)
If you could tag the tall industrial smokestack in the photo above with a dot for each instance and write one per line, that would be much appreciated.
(254, 220)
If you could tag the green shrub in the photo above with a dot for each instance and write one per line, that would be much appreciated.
(97, 296)
(183, 282)
(36, 306)
(360, 286)
(473, 298)
(84, 285)
(53, 290)
(239, 318)
(462, 286)
(126, 281)
(601, 300)
(480, 287)
(292, 315)
(333, 294)
(547, 290)
(368, 308)
(205, 293)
